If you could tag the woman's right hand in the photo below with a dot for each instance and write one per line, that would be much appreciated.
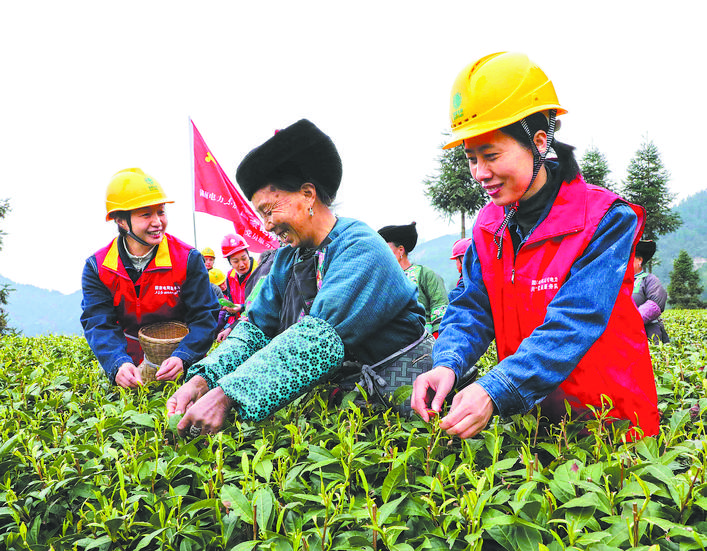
(430, 389)
(128, 376)
(187, 395)
(208, 414)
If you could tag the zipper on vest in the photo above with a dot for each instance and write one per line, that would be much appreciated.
(513, 275)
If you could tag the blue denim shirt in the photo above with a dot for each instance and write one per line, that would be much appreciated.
(576, 317)
(106, 338)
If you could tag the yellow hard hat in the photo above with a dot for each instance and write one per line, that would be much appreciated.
(132, 189)
(206, 251)
(216, 276)
(495, 91)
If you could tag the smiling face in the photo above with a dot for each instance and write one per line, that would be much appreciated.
(286, 214)
(503, 166)
(149, 224)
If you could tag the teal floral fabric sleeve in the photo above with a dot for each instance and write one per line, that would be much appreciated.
(244, 341)
(292, 363)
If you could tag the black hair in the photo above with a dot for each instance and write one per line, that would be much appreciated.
(568, 167)
(122, 215)
(292, 183)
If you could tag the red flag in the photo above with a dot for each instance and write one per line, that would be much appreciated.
(215, 194)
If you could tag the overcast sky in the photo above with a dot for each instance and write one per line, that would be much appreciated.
(89, 89)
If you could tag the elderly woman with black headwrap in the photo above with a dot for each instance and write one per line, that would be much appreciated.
(432, 295)
(321, 313)
(648, 293)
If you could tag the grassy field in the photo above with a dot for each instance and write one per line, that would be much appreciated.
(84, 465)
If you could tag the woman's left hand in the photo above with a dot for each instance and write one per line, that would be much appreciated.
(208, 414)
(170, 369)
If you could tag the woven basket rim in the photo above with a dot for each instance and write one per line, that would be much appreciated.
(184, 330)
(158, 349)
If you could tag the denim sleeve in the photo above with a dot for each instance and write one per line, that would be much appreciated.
(200, 311)
(456, 291)
(467, 327)
(100, 322)
(576, 317)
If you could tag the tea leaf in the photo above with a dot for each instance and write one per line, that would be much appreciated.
(232, 498)
(391, 481)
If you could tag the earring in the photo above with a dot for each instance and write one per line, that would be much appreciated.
(311, 211)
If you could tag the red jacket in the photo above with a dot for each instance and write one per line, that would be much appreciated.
(618, 364)
(236, 290)
(160, 285)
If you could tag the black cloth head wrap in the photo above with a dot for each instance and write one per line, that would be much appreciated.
(645, 249)
(300, 150)
(405, 235)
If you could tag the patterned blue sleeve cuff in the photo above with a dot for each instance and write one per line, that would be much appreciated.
(292, 363)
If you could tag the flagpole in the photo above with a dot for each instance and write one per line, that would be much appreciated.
(193, 185)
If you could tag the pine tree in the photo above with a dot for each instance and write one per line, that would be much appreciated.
(454, 190)
(4, 289)
(595, 168)
(685, 289)
(647, 185)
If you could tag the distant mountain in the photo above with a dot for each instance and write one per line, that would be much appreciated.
(34, 311)
(691, 236)
(435, 255)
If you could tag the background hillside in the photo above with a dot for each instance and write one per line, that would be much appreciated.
(435, 254)
(691, 236)
(35, 311)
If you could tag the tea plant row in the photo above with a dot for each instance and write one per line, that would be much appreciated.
(84, 465)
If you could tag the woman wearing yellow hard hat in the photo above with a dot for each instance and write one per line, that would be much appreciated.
(141, 277)
(548, 275)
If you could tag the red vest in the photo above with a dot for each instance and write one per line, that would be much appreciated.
(160, 284)
(521, 286)
(236, 290)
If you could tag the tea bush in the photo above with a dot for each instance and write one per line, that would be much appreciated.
(84, 465)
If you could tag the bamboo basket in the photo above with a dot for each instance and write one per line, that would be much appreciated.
(158, 341)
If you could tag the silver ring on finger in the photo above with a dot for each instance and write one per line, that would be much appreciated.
(194, 431)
